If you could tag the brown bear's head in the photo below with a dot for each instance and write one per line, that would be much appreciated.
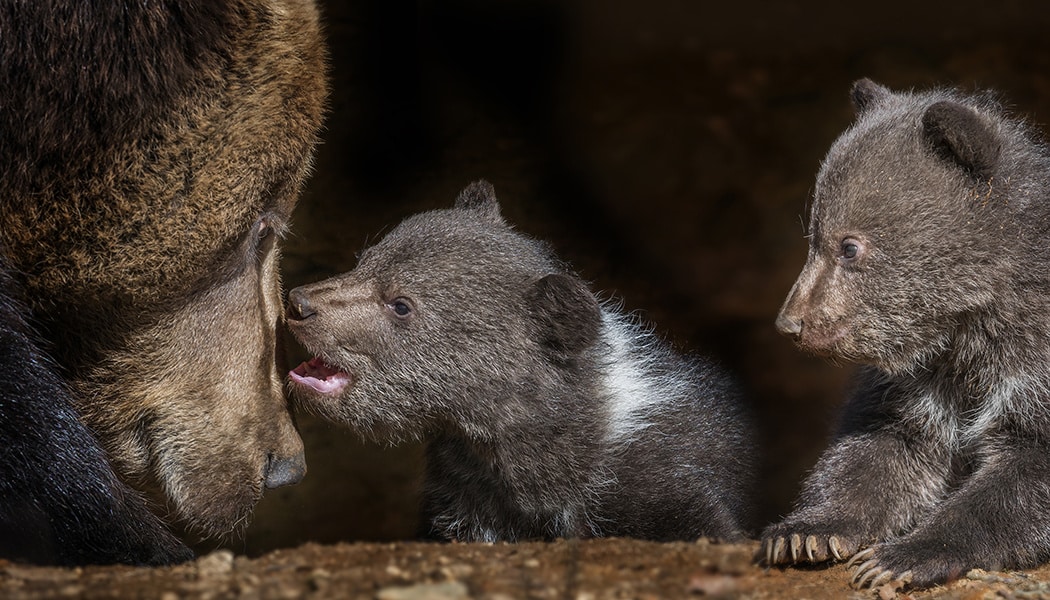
(153, 155)
(446, 325)
(915, 228)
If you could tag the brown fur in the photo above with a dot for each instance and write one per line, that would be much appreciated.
(928, 264)
(546, 413)
(150, 152)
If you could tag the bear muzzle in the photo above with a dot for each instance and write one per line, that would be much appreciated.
(299, 305)
(789, 326)
(285, 470)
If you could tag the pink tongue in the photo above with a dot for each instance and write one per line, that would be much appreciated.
(315, 374)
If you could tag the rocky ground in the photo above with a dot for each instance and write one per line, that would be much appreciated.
(564, 570)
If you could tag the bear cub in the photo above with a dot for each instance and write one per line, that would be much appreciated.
(929, 265)
(546, 413)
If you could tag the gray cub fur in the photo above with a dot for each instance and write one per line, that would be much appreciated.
(546, 413)
(929, 263)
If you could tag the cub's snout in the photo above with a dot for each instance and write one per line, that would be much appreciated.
(789, 325)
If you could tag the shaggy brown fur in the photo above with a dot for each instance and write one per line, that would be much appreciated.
(150, 153)
(546, 413)
(928, 264)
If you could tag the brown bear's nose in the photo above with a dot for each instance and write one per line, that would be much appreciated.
(285, 470)
(789, 325)
(299, 306)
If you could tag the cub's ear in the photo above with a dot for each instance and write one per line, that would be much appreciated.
(959, 134)
(566, 313)
(866, 94)
(480, 197)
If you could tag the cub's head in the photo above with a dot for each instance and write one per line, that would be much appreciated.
(910, 218)
(442, 321)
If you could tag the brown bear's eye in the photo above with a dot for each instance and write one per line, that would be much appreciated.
(401, 307)
(850, 249)
(266, 233)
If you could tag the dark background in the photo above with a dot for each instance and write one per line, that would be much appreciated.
(666, 148)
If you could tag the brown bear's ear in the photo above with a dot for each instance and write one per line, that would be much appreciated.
(480, 197)
(865, 94)
(566, 313)
(958, 133)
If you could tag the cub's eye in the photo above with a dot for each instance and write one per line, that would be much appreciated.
(402, 307)
(851, 249)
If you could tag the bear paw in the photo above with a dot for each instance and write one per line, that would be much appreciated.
(914, 565)
(869, 572)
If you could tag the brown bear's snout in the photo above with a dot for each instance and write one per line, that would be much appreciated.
(299, 306)
(285, 470)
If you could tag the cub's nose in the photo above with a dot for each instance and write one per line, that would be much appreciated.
(299, 306)
(789, 326)
(285, 470)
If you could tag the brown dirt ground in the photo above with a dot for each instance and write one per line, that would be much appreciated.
(570, 570)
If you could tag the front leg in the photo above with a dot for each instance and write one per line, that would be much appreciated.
(865, 488)
(878, 478)
(1000, 518)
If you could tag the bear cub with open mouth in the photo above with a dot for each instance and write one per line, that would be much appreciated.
(546, 413)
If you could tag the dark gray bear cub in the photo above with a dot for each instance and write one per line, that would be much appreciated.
(546, 413)
(929, 263)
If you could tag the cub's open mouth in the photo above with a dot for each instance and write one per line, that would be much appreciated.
(319, 376)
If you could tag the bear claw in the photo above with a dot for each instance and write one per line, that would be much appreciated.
(800, 548)
(860, 557)
(836, 548)
(811, 547)
(777, 550)
(869, 574)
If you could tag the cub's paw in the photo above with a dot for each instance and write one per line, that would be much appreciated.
(869, 572)
(787, 544)
(899, 562)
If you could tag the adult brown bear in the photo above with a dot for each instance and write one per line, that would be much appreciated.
(150, 156)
